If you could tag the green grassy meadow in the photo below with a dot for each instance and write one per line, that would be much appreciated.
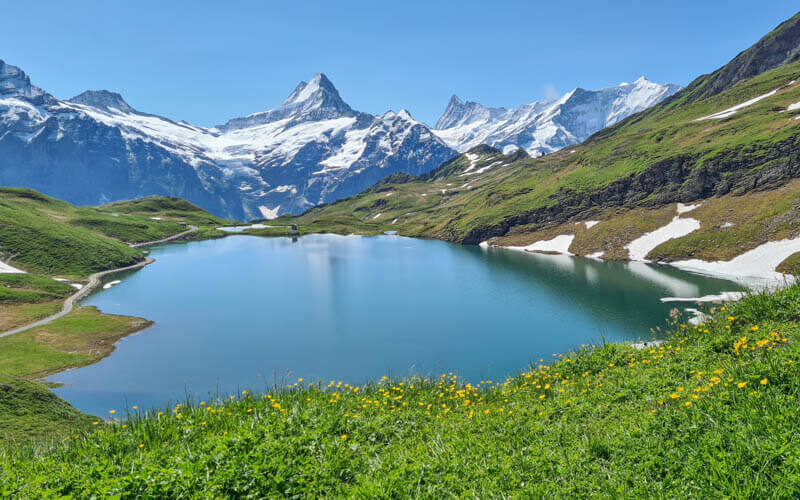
(711, 414)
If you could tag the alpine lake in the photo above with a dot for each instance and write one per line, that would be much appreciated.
(251, 313)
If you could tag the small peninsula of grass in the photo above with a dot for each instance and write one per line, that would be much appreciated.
(710, 413)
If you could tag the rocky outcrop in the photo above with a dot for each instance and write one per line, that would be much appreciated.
(678, 179)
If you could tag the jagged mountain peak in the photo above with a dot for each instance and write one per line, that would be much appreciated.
(103, 99)
(315, 100)
(309, 90)
(14, 82)
(541, 127)
(460, 112)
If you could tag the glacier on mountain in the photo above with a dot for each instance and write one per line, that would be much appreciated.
(313, 149)
(544, 127)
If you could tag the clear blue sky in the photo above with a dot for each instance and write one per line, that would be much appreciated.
(208, 61)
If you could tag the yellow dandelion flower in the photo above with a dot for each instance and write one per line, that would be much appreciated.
(741, 385)
(343, 436)
(764, 381)
(141, 445)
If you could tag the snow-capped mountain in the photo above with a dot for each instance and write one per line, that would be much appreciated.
(313, 149)
(544, 127)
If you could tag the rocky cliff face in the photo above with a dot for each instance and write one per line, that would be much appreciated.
(313, 149)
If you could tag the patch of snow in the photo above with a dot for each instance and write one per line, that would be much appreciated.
(284, 189)
(7, 269)
(63, 280)
(793, 106)
(591, 223)
(76, 285)
(111, 283)
(682, 209)
(730, 111)
(559, 244)
(641, 246)
(721, 297)
(754, 267)
(156, 218)
(698, 317)
(394, 221)
(484, 244)
(727, 225)
(480, 170)
(269, 213)
(596, 255)
(377, 215)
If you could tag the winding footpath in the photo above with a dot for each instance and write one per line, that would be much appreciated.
(94, 281)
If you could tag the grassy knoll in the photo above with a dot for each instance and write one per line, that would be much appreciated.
(45, 235)
(167, 208)
(711, 413)
(29, 411)
(80, 338)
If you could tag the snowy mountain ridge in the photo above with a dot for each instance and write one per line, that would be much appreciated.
(546, 126)
(312, 149)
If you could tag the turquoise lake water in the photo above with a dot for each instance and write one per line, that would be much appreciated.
(245, 312)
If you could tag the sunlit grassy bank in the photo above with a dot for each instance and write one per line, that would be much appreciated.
(713, 412)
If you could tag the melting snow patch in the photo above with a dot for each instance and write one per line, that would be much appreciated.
(721, 297)
(755, 266)
(63, 280)
(699, 317)
(730, 111)
(641, 246)
(591, 223)
(794, 106)
(682, 209)
(269, 213)
(6, 269)
(377, 215)
(394, 221)
(110, 284)
(727, 225)
(484, 244)
(596, 255)
(156, 218)
(559, 244)
(76, 285)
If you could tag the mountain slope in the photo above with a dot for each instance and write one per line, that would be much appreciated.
(727, 147)
(544, 127)
(96, 148)
(45, 235)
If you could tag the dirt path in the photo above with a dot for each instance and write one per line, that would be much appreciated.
(169, 238)
(94, 281)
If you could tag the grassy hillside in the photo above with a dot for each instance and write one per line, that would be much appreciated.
(711, 413)
(658, 157)
(31, 412)
(43, 235)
